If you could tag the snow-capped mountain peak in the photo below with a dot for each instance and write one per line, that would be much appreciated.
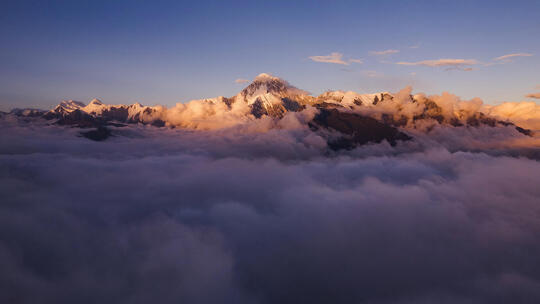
(272, 96)
(266, 77)
(269, 88)
(95, 101)
(95, 107)
(68, 106)
(351, 98)
(66, 112)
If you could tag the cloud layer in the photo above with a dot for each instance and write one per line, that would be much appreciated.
(225, 208)
(261, 218)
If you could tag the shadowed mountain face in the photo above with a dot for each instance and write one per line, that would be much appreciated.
(355, 129)
(345, 119)
(99, 134)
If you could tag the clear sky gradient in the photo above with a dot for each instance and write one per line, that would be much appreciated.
(164, 52)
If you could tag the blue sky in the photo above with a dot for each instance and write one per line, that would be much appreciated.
(164, 52)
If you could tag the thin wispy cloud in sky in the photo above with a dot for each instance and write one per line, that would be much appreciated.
(508, 56)
(241, 80)
(414, 46)
(356, 60)
(533, 95)
(336, 58)
(385, 52)
(448, 62)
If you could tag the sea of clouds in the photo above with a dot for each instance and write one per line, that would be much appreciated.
(264, 212)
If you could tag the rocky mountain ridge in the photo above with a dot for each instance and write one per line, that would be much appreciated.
(357, 118)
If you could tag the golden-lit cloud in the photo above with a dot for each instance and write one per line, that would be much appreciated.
(533, 95)
(241, 80)
(448, 62)
(508, 56)
(336, 58)
(385, 52)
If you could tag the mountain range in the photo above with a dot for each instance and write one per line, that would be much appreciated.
(345, 119)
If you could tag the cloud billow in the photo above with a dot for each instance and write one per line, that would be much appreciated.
(221, 207)
(235, 216)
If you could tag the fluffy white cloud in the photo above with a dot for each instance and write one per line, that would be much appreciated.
(525, 114)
